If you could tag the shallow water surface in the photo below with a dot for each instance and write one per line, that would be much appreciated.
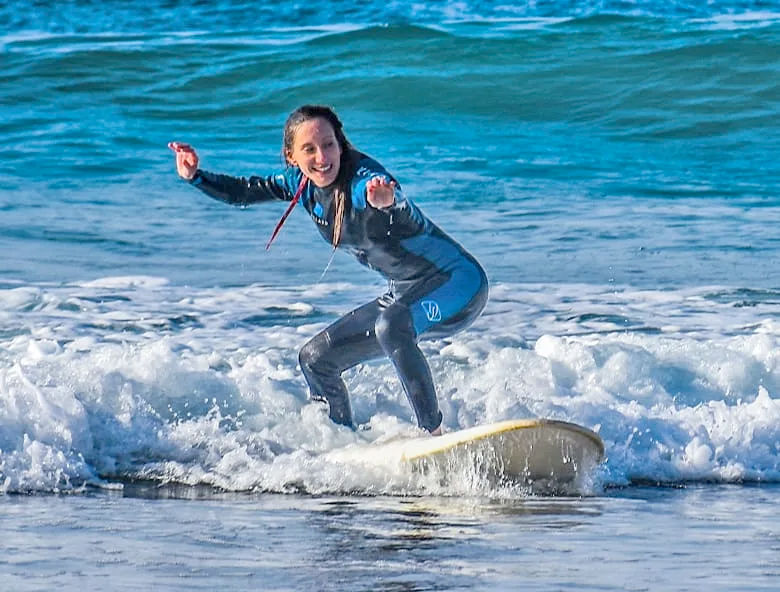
(640, 538)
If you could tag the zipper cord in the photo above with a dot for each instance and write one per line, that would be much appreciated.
(294, 201)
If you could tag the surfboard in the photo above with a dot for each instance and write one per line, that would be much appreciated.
(525, 450)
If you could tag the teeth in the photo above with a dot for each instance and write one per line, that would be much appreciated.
(324, 169)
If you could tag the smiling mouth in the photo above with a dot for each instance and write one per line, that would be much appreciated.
(323, 169)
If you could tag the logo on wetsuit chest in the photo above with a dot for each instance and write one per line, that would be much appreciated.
(317, 213)
(432, 311)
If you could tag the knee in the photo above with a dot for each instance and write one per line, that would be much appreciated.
(394, 326)
(313, 351)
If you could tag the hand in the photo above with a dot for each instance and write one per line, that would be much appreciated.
(186, 159)
(380, 193)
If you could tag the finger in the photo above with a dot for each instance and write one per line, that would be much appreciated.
(180, 147)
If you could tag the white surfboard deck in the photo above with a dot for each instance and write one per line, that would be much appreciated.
(525, 450)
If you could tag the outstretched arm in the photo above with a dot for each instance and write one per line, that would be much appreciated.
(232, 190)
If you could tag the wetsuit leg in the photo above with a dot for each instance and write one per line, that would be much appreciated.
(345, 343)
(380, 328)
(395, 333)
(391, 326)
(436, 307)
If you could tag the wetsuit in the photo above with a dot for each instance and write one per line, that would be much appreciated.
(435, 287)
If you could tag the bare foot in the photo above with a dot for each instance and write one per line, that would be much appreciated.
(437, 431)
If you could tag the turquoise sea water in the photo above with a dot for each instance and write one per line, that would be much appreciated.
(614, 167)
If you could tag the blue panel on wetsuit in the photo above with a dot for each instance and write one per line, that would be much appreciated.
(449, 299)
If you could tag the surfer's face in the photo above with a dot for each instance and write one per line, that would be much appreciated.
(316, 151)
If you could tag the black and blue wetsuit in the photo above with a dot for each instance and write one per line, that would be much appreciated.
(435, 287)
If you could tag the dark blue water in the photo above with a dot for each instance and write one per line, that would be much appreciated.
(592, 142)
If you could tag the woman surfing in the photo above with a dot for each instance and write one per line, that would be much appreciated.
(435, 287)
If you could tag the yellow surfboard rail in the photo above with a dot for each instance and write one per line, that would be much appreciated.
(450, 440)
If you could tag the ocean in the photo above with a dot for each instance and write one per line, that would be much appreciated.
(612, 164)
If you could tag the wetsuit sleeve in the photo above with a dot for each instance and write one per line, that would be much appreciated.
(240, 190)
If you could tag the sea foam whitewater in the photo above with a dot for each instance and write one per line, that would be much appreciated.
(133, 378)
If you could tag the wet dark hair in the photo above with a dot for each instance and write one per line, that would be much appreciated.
(342, 184)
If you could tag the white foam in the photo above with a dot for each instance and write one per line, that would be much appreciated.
(737, 21)
(19, 298)
(137, 378)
